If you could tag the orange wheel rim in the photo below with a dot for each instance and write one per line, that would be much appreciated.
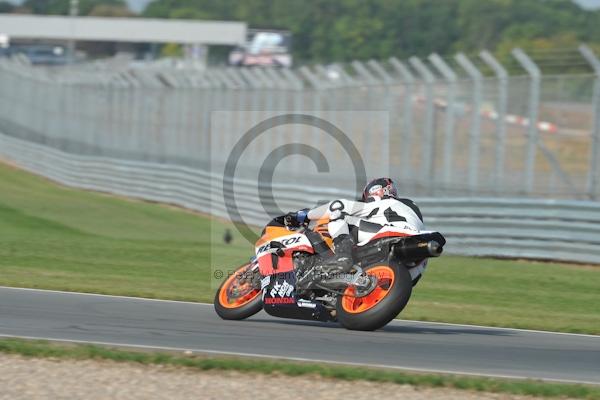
(235, 294)
(385, 279)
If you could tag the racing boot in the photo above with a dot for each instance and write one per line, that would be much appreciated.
(342, 256)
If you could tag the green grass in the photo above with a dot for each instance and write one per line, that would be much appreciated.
(59, 238)
(516, 387)
(518, 294)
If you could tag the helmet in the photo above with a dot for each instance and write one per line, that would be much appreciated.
(380, 187)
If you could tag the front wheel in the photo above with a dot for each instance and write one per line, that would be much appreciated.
(237, 297)
(382, 304)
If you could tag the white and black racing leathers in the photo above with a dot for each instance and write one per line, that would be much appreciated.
(363, 220)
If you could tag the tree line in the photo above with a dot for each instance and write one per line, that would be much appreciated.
(343, 30)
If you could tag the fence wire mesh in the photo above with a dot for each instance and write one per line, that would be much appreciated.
(441, 137)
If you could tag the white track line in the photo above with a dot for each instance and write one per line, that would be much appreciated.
(396, 321)
(301, 359)
(102, 295)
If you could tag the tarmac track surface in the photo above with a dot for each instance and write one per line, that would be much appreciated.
(412, 345)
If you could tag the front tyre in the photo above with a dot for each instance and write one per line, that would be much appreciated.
(237, 298)
(375, 309)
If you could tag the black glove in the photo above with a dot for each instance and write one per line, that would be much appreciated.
(290, 220)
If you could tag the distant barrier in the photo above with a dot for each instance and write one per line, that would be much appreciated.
(538, 229)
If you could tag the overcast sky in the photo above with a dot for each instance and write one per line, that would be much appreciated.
(138, 5)
(589, 3)
(135, 5)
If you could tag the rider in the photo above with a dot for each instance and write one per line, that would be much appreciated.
(378, 207)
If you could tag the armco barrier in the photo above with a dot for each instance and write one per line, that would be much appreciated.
(539, 229)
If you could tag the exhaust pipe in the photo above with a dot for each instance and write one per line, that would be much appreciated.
(434, 249)
(419, 250)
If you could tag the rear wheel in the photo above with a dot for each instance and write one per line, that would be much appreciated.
(380, 305)
(237, 298)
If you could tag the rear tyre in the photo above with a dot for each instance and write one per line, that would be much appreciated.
(236, 298)
(382, 304)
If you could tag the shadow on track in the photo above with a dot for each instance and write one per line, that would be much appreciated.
(397, 327)
(445, 330)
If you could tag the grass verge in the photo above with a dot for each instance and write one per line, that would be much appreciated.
(53, 237)
(37, 348)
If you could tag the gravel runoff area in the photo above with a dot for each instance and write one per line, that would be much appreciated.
(41, 378)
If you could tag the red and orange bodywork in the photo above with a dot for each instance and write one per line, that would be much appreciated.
(292, 240)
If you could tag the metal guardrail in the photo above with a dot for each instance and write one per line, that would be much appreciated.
(538, 229)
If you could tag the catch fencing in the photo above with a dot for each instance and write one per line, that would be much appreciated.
(449, 129)
(483, 150)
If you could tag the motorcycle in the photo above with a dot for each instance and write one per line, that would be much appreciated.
(289, 276)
